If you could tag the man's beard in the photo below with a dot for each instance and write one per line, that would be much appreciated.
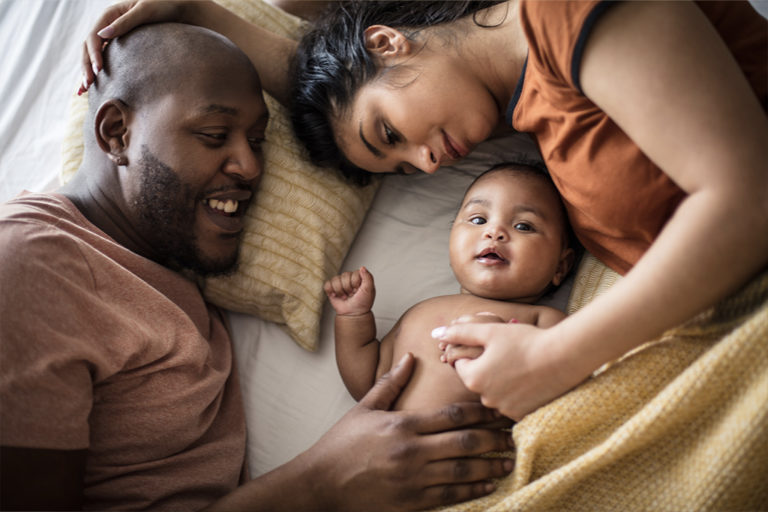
(167, 213)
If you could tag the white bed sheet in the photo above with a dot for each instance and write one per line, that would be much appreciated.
(39, 72)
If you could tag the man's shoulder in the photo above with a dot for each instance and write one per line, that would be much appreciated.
(36, 212)
(34, 236)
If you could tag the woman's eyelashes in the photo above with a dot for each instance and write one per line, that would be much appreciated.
(390, 137)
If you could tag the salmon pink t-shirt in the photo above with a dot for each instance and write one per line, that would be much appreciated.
(105, 350)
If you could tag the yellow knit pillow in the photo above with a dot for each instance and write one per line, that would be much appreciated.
(299, 229)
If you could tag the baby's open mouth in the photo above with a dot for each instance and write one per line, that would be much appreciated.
(490, 255)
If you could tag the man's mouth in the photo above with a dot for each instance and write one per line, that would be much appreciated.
(228, 206)
(226, 209)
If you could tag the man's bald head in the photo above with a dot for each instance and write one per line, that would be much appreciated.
(154, 60)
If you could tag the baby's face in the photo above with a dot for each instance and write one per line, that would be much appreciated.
(507, 241)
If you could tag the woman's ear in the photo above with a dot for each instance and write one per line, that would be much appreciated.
(111, 130)
(567, 259)
(386, 42)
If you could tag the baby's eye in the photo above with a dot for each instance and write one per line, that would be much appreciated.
(522, 226)
(478, 220)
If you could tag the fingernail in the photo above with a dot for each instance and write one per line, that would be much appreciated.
(509, 465)
(513, 320)
(106, 32)
(401, 362)
(439, 332)
(489, 487)
(95, 68)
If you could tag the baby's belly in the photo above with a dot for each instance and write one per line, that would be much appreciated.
(433, 385)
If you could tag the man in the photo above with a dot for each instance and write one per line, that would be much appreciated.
(117, 385)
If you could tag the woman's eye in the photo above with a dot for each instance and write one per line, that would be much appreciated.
(389, 136)
(477, 220)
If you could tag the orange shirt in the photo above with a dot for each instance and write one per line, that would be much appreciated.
(106, 350)
(617, 199)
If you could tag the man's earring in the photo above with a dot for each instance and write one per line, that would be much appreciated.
(121, 160)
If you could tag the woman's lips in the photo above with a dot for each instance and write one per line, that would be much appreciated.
(453, 148)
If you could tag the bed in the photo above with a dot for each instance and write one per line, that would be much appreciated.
(576, 452)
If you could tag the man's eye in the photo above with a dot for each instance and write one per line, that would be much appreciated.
(477, 220)
(255, 143)
(218, 137)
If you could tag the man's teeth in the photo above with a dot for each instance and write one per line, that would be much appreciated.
(228, 206)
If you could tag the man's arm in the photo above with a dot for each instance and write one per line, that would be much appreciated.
(37, 479)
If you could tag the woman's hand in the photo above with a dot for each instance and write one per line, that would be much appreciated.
(407, 460)
(521, 367)
(119, 19)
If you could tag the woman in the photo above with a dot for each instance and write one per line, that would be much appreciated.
(650, 118)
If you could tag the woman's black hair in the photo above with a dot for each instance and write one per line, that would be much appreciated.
(332, 63)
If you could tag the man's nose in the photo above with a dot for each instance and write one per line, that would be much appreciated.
(244, 163)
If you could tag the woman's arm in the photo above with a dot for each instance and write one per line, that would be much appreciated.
(663, 74)
(270, 53)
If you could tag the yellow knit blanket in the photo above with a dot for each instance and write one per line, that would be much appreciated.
(679, 424)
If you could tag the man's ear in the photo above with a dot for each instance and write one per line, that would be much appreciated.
(567, 259)
(111, 130)
(383, 41)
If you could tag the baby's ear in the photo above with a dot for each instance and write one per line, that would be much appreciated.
(111, 128)
(567, 259)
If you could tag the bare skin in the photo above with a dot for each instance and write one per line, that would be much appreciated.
(433, 384)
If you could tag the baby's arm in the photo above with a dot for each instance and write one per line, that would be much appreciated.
(357, 350)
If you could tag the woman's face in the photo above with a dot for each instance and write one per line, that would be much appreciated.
(429, 113)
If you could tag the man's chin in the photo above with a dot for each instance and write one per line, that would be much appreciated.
(204, 267)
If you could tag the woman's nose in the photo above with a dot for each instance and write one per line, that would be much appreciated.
(425, 159)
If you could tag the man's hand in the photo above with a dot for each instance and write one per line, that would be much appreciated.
(374, 459)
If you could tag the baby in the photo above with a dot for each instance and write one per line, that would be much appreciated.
(509, 246)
